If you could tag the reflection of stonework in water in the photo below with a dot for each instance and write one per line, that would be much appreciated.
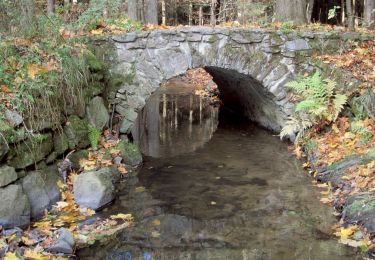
(174, 123)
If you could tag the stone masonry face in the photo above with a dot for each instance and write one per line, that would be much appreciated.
(269, 59)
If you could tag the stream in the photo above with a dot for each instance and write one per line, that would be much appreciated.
(214, 186)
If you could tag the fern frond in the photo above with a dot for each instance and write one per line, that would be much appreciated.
(291, 127)
(307, 105)
(338, 103)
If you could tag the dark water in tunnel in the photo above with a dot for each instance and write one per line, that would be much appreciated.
(215, 187)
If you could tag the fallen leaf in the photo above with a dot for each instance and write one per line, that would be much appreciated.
(127, 217)
(156, 222)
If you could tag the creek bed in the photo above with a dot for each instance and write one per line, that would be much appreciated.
(214, 186)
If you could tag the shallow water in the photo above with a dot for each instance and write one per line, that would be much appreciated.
(214, 187)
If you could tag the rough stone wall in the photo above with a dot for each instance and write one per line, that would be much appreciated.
(28, 156)
(265, 59)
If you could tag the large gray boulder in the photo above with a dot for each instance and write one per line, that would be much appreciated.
(97, 113)
(7, 175)
(42, 190)
(93, 189)
(14, 207)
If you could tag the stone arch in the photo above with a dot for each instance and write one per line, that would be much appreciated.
(252, 64)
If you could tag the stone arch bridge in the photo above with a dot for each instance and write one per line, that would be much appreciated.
(250, 66)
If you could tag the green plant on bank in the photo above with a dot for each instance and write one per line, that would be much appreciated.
(358, 127)
(287, 27)
(319, 104)
(93, 136)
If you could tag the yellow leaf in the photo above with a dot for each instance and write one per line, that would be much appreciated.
(33, 255)
(27, 241)
(11, 256)
(140, 189)
(33, 70)
(127, 217)
(326, 200)
(97, 32)
(156, 222)
(61, 204)
(349, 135)
(155, 234)
(345, 233)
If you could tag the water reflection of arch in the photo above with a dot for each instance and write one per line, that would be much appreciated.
(174, 122)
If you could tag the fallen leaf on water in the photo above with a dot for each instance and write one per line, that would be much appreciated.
(140, 189)
(156, 222)
(155, 234)
(122, 216)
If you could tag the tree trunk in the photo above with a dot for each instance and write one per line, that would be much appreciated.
(133, 10)
(50, 7)
(190, 13)
(163, 13)
(200, 15)
(350, 14)
(152, 12)
(310, 7)
(213, 12)
(291, 10)
(369, 13)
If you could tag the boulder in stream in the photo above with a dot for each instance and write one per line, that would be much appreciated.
(94, 189)
(41, 189)
(14, 207)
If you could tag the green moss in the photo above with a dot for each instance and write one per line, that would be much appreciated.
(117, 80)
(130, 153)
(31, 151)
(360, 204)
(93, 63)
(94, 89)
(213, 38)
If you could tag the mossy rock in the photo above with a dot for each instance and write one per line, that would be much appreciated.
(358, 204)
(77, 156)
(76, 129)
(30, 151)
(60, 143)
(94, 64)
(94, 89)
(130, 153)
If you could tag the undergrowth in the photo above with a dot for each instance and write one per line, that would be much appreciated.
(319, 104)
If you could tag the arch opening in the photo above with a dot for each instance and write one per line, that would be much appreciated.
(246, 96)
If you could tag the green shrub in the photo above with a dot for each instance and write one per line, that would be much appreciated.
(93, 136)
(319, 104)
